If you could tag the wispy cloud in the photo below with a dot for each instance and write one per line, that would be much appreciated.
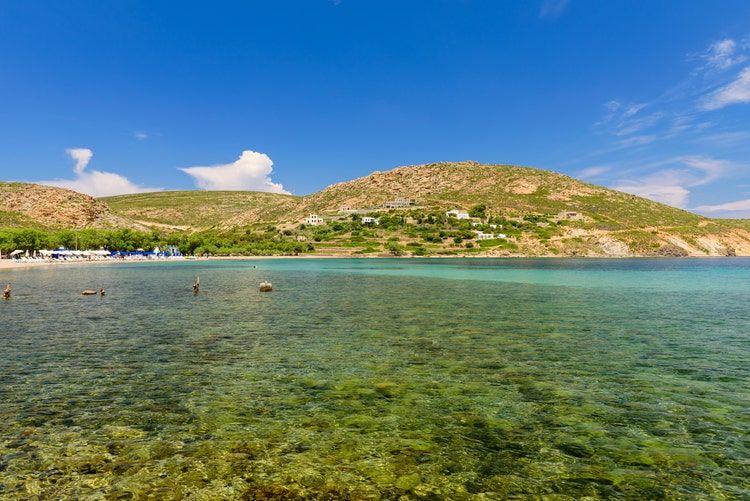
(593, 172)
(660, 188)
(93, 182)
(740, 209)
(624, 119)
(553, 8)
(710, 86)
(140, 135)
(735, 92)
(683, 117)
(725, 139)
(670, 181)
(251, 172)
(714, 80)
(720, 55)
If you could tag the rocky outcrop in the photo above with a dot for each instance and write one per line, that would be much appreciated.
(52, 207)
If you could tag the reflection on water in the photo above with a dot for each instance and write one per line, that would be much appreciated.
(377, 380)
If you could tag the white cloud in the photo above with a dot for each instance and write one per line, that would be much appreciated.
(659, 188)
(725, 139)
(95, 183)
(553, 7)
(712, 168)
(82, 156)
(140, 135)
(735, 92)
(633, 109)
(722, 55)
(729, 207)
(250, 172)
(592, 172)
(671, 185)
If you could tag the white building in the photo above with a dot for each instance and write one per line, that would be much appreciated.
(458, 214)
(488, 236)
(370, 220)
(400, 202)
(314, 220)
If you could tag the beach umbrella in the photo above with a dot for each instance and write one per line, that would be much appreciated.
(16, 252)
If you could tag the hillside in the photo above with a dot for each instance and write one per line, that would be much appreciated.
(613, 223)
(201, 210)
(506, 189)
(33, 206)
(540, 212)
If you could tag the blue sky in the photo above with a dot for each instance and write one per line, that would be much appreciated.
(649, 97)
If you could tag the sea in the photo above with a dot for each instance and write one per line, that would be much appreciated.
(377, 379)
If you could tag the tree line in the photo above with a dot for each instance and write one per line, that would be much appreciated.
(236, 242)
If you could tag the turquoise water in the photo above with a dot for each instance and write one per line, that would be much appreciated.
(378, 379)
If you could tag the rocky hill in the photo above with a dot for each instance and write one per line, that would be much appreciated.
(30, 205)
(505, 189)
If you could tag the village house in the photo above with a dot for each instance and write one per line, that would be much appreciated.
(370, 220)
(458, 214)
(570, 215)
(400, 202)
(314, 220)
(488, 236)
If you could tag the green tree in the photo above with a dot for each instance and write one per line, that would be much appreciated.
(478, 211)
(65, 238)
(395, 248)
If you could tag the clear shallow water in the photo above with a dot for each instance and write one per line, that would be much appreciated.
(378, 379)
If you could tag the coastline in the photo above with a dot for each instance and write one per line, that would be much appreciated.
(11, 264)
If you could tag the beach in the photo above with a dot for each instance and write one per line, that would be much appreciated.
(6, 264)
(9, 264)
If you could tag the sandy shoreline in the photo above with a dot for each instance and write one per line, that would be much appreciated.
(10, 264)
